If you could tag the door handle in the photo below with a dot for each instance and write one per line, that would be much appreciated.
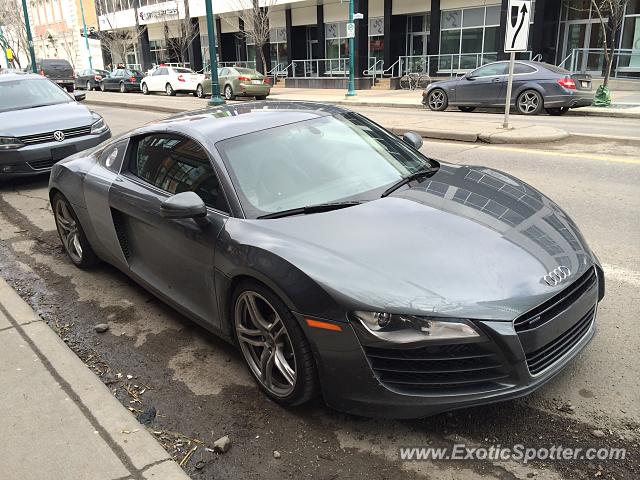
(495, 80)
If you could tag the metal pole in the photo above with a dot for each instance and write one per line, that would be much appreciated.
(351, 91)
(215, 99)
(86, 37)
(27, 24)
(507, 103)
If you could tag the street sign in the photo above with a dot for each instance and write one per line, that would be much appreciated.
(351, 30)
(518, 20)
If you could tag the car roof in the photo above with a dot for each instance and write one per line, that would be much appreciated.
(213, 124)
(11, 76)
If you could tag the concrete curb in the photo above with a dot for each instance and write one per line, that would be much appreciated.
(104, 433)
(515, 136)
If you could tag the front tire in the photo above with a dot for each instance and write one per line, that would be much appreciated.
(273, 345)
(74, 241)
(199, 93)
(556, 112)
(529, 102)
(89, 87)
(228, 93)
(169, 90)
(466, 109)
(102, 87)
(261, 97)
(437, 100)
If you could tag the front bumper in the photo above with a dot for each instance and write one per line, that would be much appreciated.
(377, 379)
(37, 159)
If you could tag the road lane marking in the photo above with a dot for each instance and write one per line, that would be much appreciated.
(548, 153)
(612, 272)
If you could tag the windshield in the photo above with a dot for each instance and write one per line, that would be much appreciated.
(247, 71)
(29, 93)
(329, 159)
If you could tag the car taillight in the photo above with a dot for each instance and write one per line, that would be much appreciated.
(567, 83)
(133, 79)
(181, 78)
(266, 81)
(97, 78)
(244, 79)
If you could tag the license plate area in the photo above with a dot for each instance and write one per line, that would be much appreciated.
(256, 82)
(584, 84)
(62, 152)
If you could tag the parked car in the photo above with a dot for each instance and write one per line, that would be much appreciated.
(236, 81)
(171, 80)
(57, 70)
(337, 257)
(123, 80)
(536, 86)
(40, 124)
(90, 79)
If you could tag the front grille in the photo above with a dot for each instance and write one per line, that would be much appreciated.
(542, 358)
(458, 367)
(41, 164)
(556, 305)
(48, 137)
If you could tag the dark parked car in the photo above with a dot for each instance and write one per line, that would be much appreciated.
(536, 86)
(340, 259)
(57, 70)
(123, 80)
(90, 79)
(41, 124)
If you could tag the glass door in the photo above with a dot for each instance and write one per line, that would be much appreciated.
(584, 34)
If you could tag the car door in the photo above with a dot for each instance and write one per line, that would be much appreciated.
(159, 79)
(109, 81)
(483, 86)
(173, 257)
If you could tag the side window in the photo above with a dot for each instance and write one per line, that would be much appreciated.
(111, 157)
(520, 68)
(177, 164)
(491, 70)
(225, 72)
(117, 73)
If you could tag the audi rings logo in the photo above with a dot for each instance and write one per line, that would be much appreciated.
(58, 136)
(557, 275)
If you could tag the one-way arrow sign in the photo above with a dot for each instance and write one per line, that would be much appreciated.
(518, 18)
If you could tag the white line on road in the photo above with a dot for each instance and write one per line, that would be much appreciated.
(621, 274)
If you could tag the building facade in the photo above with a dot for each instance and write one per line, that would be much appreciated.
(308, 38)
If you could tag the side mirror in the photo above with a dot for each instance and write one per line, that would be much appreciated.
(79, 96)
(468, 76)
(184, 205)
(413, 139)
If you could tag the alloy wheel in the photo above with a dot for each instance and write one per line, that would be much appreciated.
(123, 89)
(228, 93)
(168, 89)
(145, 89)
(436, 100)
(199, 91)
(265, 343)
(68, 229)
(529, 102)
(88, 86)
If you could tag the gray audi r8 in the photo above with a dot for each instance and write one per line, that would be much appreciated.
(338, 258)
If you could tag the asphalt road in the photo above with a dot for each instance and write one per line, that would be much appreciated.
(202, 391)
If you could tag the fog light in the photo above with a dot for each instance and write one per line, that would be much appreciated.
(7, 169)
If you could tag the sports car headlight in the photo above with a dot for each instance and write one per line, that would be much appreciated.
(8, 143)
(412, 328)
(99, 127)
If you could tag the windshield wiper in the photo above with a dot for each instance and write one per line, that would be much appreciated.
(321, 207)
(409, 178)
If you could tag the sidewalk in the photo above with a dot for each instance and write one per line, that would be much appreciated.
(59, 420)
(444, 129)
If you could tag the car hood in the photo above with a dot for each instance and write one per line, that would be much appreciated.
(469, 241)
(18, 123)
(443, 84)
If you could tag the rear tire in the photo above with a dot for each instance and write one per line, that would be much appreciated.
(261, 97)
(278, 338)
(556, 112)
(102, 87)
(123, 88)
(89, 87)
(228, 93)
(466, 109)
(74, 241)
(199, 93)
(169, 90)
(70, 88)
(529, 102)
(145, 89)
(437, 100)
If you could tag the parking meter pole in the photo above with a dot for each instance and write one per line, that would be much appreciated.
(507, 103)
(27, 25)
(215, 99)
(351, 91)
(86, 37)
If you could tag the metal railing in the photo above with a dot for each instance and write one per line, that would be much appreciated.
(320, 67)
(239, 63)
(592, 60)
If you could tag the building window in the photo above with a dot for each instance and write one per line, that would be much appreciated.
(278, 47)
(376, 43)
(337, 46)
(629, 57)
(469, 37)
(158, 50)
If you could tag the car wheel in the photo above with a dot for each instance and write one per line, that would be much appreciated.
(466, 109)
(169, 90)
(145, 89)
(261, 97)
(199, 91)
(228, 93)
(88, 87)
(529, 102)
(556, 112)
(437, 100)
(71, 234)
(102, 87)
(273, 345)
(123, 88)
(70, 88)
